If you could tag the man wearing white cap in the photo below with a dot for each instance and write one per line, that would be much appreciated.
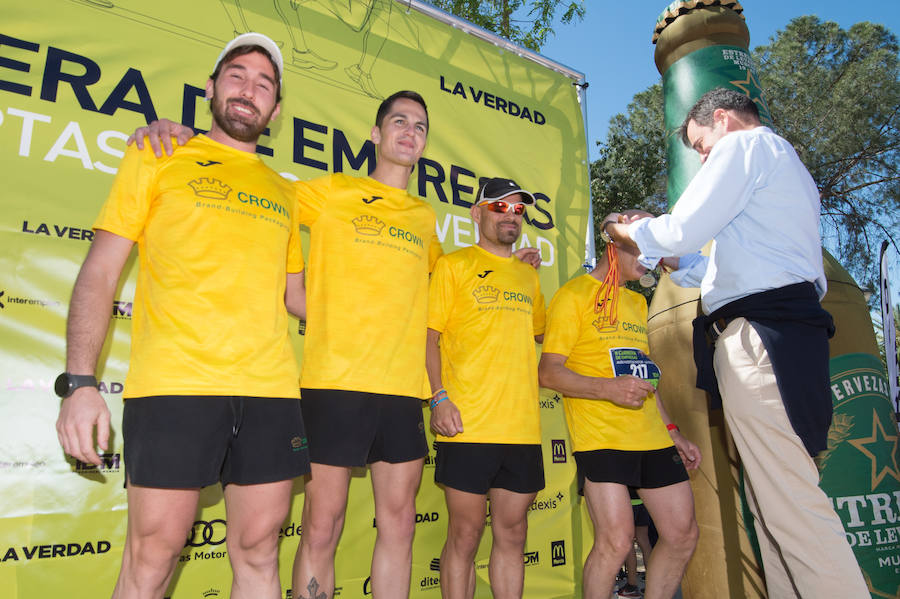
(485, 307)
(218, 242)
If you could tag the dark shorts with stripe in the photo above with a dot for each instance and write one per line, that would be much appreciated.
(355, 428)
(181, 442)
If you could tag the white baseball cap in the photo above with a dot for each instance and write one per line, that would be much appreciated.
(255, 39)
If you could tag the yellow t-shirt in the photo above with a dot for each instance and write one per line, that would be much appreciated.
(217, 232)
(371, 249)
(574, 331)
(488, 310)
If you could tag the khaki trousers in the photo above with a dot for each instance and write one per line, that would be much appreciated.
(805, 552)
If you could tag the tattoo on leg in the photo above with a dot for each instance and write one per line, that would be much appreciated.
(313, 588)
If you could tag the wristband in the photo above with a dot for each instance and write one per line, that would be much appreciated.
(434, 402)
(672, 427)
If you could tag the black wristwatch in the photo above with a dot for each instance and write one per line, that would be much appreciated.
(66, 383)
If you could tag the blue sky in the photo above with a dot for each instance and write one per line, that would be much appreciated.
(612, 46)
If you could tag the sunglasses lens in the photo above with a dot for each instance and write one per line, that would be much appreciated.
(519, 209)
(498, 206)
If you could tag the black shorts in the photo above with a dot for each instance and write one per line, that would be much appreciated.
(355, 428)
(181, 442)
(639, 469)
(478, 467)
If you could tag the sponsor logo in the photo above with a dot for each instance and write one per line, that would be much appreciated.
(484, 274)
(557, 553)
(368, 225)
(558, 450)
(28, 301)
(211, 592)
(531, 558)
(298, 443)
(602, 324)
(367, 586)
(486, 294)
(550, 503)
(372, 199)
(405, 235)
(60, 231)
(209, 188)
(636, 328)
(22, 464)
(429, 582)
(301, 328)
(435, 565)
(291, 530)
(111, 387)
(109, 462)
(122, 310)
(515, 296)
(264, 203)
(489, 100)
(206, 533)
(49, 551)
(551, 402)
(420, 518)
(208, 163)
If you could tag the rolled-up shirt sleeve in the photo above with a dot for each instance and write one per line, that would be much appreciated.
(716, 195)
(691, 269)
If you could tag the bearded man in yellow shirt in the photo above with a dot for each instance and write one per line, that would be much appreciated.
(596, 355)
(486, 306)
(204, 402)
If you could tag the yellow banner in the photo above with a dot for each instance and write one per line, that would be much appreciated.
(77, 76)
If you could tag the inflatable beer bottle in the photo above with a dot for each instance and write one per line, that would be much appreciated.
(701, 45)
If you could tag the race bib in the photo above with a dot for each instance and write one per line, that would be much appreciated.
(630, 360)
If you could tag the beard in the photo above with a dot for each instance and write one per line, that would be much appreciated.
(244, 128)
(508, 234)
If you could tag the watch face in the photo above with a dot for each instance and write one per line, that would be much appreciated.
(62, 385)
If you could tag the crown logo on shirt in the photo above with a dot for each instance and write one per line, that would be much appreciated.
(213, 189)
(486, 294)
(368, 225)
(603, 326)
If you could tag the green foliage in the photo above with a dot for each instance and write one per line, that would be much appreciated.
(503, 17)
(835, 95)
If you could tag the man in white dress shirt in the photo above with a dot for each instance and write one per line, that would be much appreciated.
(760, 289)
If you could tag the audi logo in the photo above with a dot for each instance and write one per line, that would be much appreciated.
(206, 533)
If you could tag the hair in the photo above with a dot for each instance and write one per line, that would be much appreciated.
(248, 49)
(702, 112)
(388, 102)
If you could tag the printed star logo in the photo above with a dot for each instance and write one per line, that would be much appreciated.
(881, 449)
(2, 305)
(370, 200)
(750, 86)
(208, 163)
(484, 274)
(559, 496)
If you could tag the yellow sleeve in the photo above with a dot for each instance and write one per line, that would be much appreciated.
(539, 314)
(435, 251)
(311, 197)
(128, 204)
(440, 295)
(562, 328)
(295, 248)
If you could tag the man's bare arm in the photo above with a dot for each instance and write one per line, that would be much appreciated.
(295, 294)
(625, 390)
(88, 321)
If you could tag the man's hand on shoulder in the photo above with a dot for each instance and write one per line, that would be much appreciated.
(159, 134)
(79, 414)
(530, 256)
